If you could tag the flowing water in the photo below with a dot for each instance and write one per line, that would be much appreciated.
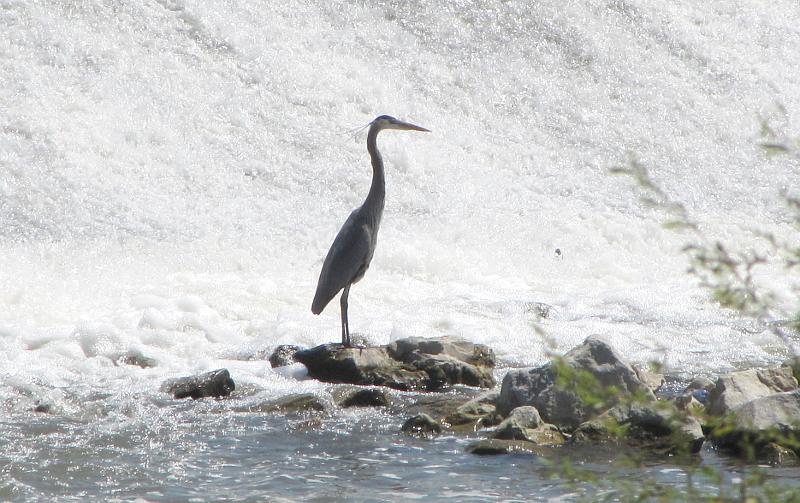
(172, 173)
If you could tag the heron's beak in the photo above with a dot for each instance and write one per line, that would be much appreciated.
(407, 126)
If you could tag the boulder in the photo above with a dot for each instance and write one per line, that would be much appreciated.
(753, 425)
(407, 364)
(653, 425)
(477, 413)
(700, 388)
(283, 355)
(738, 388)
(372, 397)
(524, 423)
(217, 383)
(562, 405)
(422, 425)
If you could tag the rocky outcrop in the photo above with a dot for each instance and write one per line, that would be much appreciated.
(217, 383)
(408, 364)
(738, 388)
(560, 404)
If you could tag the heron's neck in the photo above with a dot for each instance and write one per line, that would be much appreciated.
(377, 191)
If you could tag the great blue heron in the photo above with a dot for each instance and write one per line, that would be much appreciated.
(352, 250)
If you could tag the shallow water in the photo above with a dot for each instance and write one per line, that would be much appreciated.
(173, 172)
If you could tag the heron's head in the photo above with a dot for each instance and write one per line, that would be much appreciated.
(388, 122)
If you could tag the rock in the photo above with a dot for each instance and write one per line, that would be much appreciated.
(217, 383)
(737, 388)
(297, 403)
(652, 380)
(407, 364)
(495, 446)
(753, 425)
(689, 404)
(563, 407)
(524, 423)
(778, 455)
(794, 364)
(700, 388)
(42, 408)
(134, 358)
(473, 416)
(364, 366)
(654, 425)
(422, 425)
(283, 355)
(366, 398)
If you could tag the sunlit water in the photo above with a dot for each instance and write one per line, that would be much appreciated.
(173, 173)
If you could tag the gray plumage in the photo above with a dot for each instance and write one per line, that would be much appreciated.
(351, 252)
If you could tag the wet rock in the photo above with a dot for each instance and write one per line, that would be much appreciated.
(777, 455)
(524, 423)
(297, 403)
(496, 446)
(654, 425)
(283, 355)
(366, 398)
(753, 425)
(559, 405)
(407, 364)
(737, 388)
(134, 358)
(473, 416)
(364, 366)
(422, 425)
(217, 383)
(42, 408)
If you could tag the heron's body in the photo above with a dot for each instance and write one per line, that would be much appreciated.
(352, 250)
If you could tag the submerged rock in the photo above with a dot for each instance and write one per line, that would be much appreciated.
(217, 383)
(283, 355)
(422, 425)
(407, 364)
(496, 446)
(297, 403)
(562, 406)
(134, 358)
(372, 397)
(738, 388)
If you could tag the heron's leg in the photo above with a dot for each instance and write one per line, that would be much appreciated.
(345, 326)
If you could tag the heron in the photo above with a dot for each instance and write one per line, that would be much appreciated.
(352, 249)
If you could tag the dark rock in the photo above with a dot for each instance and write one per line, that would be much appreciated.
(366, 398)
(283, 355)
(42, 408)
(777, 455)
(365, 366)
(473, 416)
(738, 388)
(563, 407)
(495, 446)
(405, 364)
(217, 383)
(135, 358)
(422, 425)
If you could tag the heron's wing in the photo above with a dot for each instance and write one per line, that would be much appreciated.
(346, 261)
